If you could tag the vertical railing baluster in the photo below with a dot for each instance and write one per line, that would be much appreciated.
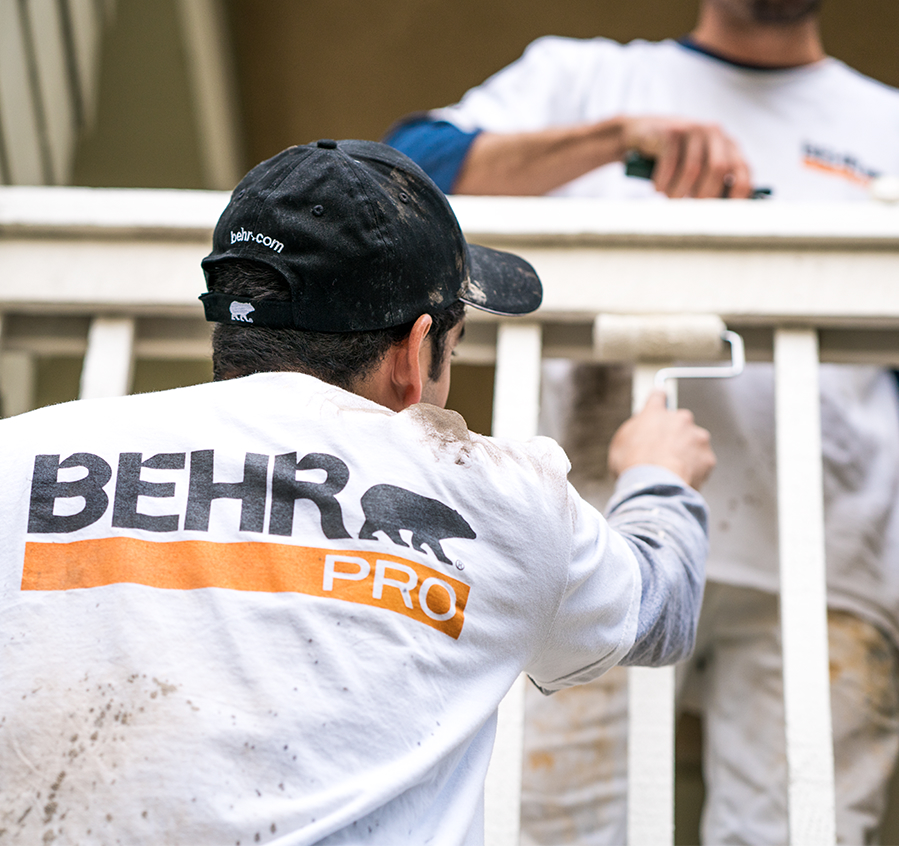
(108, 362)
(650, 734)
(802, 589)
(516, 403)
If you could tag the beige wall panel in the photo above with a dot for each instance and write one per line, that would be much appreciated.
(341, 68)
(86, 28)
(18, 113)
(55, 88)
(207, 51)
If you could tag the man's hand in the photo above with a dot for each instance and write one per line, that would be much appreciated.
(666, 438)
(692, 159)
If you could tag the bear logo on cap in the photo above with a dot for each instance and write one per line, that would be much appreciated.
(241, 312)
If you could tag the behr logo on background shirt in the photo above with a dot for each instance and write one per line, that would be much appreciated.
(844, 165)
(241, 312)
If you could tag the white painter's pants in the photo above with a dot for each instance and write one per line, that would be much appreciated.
(574, 785)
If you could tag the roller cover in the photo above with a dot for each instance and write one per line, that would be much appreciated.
(657, 337)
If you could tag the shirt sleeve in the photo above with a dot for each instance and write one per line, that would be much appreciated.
(545, 87)
(665, 523)
(635, 583)
(437, 146)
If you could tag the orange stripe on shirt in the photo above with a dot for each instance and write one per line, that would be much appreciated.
(368, 578)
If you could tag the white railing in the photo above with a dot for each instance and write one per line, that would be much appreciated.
(802, 283)
(114, 276)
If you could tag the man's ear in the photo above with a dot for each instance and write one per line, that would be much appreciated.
(410, 361)
(398, 380)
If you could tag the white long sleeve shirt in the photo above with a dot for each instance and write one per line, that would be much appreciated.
(268, 610)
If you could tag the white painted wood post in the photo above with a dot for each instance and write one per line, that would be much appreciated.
(803, 602)
(108, 362)
(516, 396)
(516, 405)
(650, 728)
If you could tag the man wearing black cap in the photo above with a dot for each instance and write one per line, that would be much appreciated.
(284, 606)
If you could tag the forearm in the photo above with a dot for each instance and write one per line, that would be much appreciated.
(665, 526)
(533, 163)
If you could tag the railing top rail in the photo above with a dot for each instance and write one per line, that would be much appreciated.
(152, 212)
(761, 264)
(544, 220)
(691, 222)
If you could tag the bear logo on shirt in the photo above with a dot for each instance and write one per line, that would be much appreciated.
(389, 508)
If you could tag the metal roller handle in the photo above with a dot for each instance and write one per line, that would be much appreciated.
(724, 371)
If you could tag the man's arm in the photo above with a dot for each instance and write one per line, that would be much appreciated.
(648, 518)
(637, 576)
(650, 515)
(692, 159)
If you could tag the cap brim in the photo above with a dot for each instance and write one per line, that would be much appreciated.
(502, 283)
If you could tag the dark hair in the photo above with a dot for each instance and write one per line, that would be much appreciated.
(339, 358)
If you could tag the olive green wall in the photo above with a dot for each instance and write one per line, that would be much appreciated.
(144, 135)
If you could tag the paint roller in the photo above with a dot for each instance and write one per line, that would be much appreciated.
(650, 339)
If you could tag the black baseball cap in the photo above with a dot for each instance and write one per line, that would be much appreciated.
(364, 239)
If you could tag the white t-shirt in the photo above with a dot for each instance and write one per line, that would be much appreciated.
(814, 132)
(270, 610)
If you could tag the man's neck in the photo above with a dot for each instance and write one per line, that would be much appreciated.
(758, 44)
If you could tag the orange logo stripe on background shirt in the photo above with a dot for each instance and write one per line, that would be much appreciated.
(840, 163)
(368, 578)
